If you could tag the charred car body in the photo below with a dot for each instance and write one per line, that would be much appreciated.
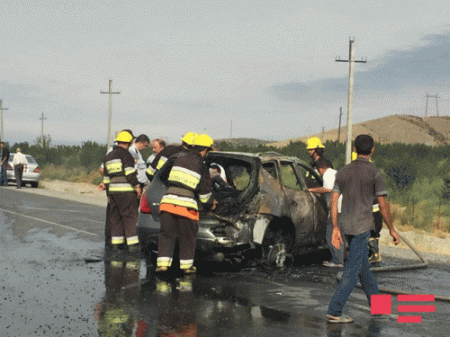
(265, 211)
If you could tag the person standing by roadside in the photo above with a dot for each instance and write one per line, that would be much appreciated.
(102, 187)
(4, 159)
(124, 190)
(20, 161)
(359, 182)
(315, 151)
(140, 143)
(189, 183)
(158, 145)
(329, 176)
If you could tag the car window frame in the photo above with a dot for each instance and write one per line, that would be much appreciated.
(296, 173)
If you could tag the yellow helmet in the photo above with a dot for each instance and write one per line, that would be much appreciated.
(124, 137)
(189, 137)
(203, 140)
(314, 143)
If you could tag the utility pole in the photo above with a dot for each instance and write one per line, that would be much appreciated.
(426, 104)
(42, 129)
(323, 134)
(339, 129)
(351, 61)
(1, 113)
(110, 93)
(231, 129)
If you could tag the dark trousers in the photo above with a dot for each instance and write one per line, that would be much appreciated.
(177, 228)
(3, 178)
(18, 173)
(378, 219)
(123, 215)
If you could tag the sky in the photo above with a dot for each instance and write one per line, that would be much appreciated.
(241, 68)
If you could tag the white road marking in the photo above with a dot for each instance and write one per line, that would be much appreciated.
(52, 209)
(49, 222)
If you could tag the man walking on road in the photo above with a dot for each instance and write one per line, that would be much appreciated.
(20, 161)
(4, 155)
(359, 182)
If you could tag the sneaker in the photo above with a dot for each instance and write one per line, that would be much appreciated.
(161, 269)
(332, 264)
(375, 258)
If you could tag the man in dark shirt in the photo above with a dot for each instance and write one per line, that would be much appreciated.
(358, 182)
(4, 162)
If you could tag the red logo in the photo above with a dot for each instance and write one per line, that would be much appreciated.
(382, 305)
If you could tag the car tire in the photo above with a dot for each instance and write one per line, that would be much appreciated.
(34, 184)
(277, 246)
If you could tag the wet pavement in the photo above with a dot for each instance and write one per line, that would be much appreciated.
(57, 281)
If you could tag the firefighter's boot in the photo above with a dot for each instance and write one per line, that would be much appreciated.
(374, 251)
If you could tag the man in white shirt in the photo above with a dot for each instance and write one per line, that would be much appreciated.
(329, 175)
(140, 144)
(19, 163)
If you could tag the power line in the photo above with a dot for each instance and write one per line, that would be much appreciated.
(110, 93)
(351, 61)
(1, 113)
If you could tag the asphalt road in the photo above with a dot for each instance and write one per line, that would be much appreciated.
(57, 281)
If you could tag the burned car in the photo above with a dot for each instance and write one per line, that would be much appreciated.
(264, 210)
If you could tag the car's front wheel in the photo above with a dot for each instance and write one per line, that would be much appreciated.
(277, 246)
(34, 184)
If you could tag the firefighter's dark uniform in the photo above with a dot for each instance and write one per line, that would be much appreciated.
(161, 159)
(121, 178)
(189, 182)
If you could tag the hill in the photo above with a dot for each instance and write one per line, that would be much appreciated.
(404, 129)
(250, 142)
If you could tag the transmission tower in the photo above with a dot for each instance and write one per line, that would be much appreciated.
(426, 104)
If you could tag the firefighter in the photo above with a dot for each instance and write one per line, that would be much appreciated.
(189, 182)
(315, 150)
(374, 249)
(161, 158)
(124, 192)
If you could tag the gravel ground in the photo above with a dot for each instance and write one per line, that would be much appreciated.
(432, 249)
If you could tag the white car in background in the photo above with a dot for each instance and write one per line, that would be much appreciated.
(31, 171)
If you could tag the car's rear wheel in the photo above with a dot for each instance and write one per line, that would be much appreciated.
(277, 246)
(34, 184)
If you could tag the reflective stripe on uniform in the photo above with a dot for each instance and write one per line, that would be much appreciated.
(106, 180)
(133, 265)
(117, 240)
(151, 171)
(179, 201)
(129, 170)
(114, 166)
(186, 264)
(204, 197)
(375, 208)
(163, 261)
(116, 264)
(132, 240)
(161, 162)
(117, 187)
(184, 176)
